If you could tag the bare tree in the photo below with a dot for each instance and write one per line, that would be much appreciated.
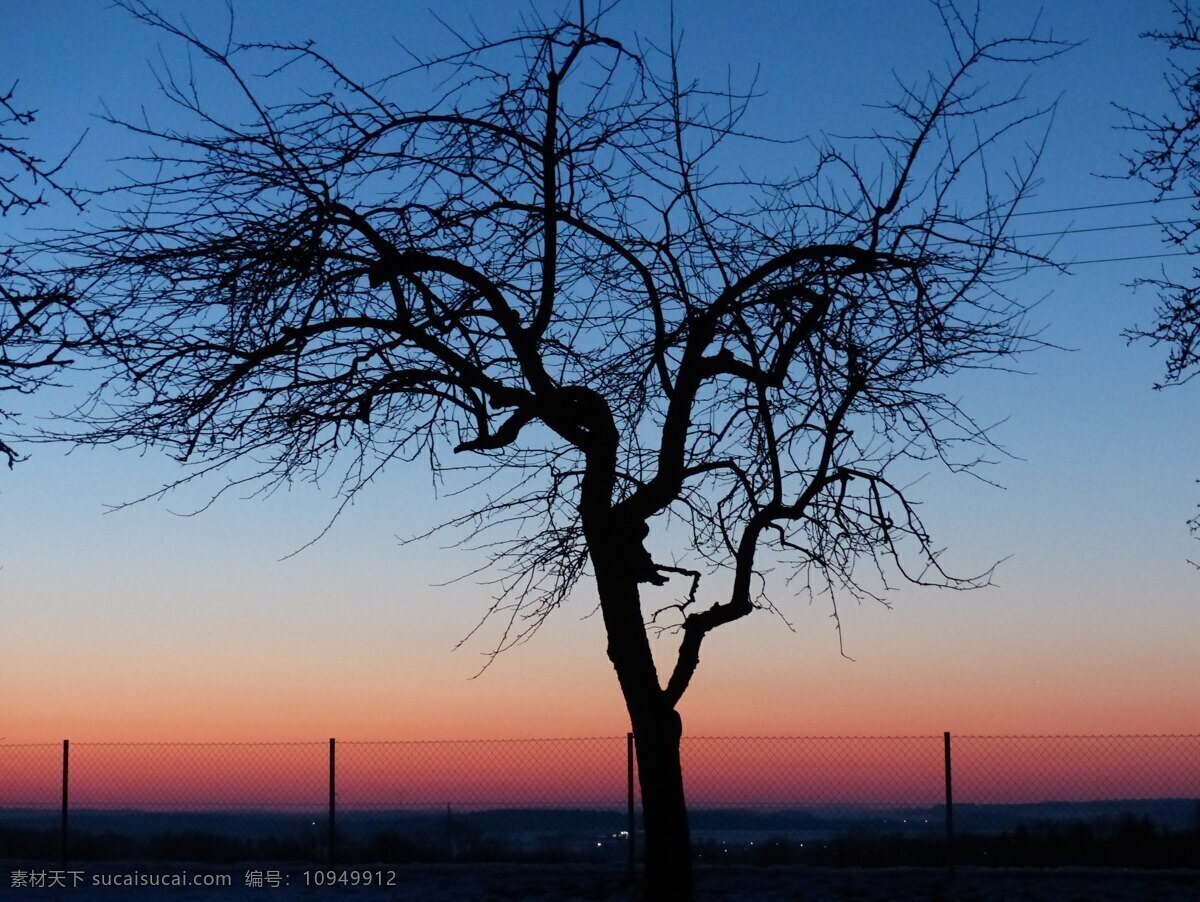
(1170, 162)
(31, 347)
(554, 269)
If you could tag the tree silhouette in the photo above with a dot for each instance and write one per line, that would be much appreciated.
(31, 347)
(1171, 161)
(555, 269)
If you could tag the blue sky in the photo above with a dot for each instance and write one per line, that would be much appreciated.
(1093, 624)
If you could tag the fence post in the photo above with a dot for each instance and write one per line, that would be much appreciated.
(65, 764)
(949, 809)
(631, 823)
(332, 798)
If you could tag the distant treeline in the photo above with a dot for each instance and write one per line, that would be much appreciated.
(1090, 834)
(1127, 842)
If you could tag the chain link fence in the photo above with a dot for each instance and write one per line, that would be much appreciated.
(824, 800)
(862, 801)
(537, 799)
(1082, 800)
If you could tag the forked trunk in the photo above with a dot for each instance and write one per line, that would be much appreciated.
(615, 549)
(668, 860)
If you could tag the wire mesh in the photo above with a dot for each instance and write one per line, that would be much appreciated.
(821, 800)
(32, 776)
(30, 799)
(1006, 770)
(1086, 800)
(198, 777)
(186, 801)
(785, 772)
(1122, 800)
(539, 799)
(482, 774)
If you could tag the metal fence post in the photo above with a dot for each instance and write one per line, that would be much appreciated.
(949, 809)
(631, 823)
(65, 763)
(332, 798)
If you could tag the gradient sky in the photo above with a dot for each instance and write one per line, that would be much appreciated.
(145, 625)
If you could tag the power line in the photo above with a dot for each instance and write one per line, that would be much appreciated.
(1124, 203)
(1015, 269)
(1059, 233)
(1056, 233)
(1108, 228)
(1121, 259)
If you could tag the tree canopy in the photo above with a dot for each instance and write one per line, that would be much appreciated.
(31, 347)
(540, 253)
(1169, 161)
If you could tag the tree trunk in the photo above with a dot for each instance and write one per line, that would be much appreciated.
(668, 864)
(616, 551)
(657, 728)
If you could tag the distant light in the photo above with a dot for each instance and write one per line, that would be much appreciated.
(599, 844)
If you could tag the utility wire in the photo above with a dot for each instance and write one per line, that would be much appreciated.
(1124, 203)
(1058, 233)
(1068, 265)
(1120, 259)
(1108, 228)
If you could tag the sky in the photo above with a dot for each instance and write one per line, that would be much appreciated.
(142, 624)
